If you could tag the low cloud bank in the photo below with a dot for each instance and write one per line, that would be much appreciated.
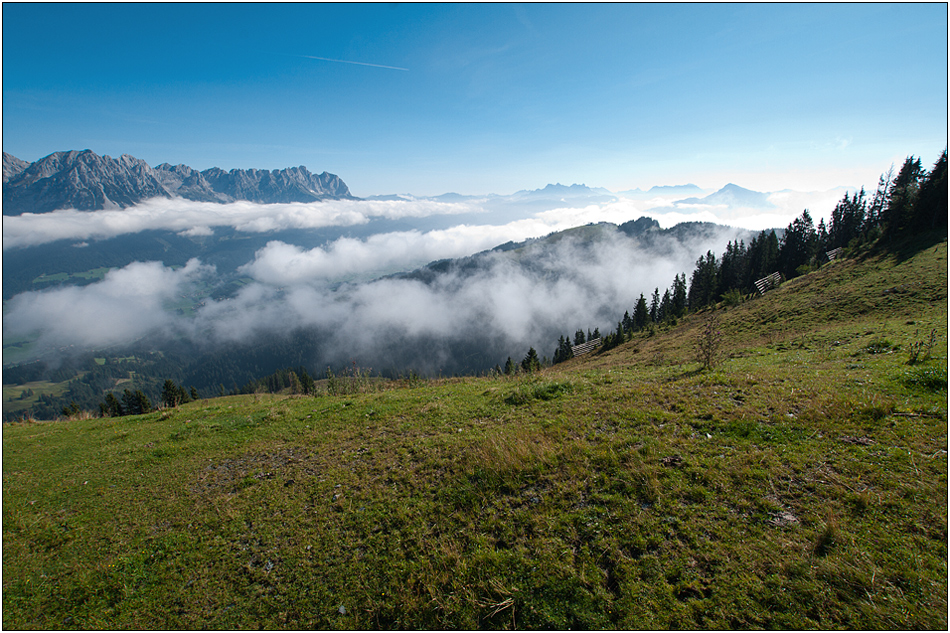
(191, 218)
(200, 218)
(499, 308)
(128, 303)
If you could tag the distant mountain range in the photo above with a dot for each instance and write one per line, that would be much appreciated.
(85, 181)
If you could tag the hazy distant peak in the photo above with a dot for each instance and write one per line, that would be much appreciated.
(734, 196)
(687, 188)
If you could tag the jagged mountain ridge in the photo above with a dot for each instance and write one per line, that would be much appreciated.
(12, 166)
(85, 181)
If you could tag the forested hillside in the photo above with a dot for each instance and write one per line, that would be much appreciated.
(911, 203)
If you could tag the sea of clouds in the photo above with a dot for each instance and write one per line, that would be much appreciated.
(294, 287)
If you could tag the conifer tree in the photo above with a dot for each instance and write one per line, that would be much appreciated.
(799, 245)
(530, 363)
(628, 324)
(666, 307)
(678, 303)
(655, 306)
(930, 209)
(898, 214)
(875, 210)
(641, 314)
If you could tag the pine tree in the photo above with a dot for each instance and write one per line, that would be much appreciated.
(898, 214)
(171, 394)
(641, 314)
(678, 303)
(799, 245)
(666, 307)
(628, 324)
(294, 383)
(847, 221)
(655, 306)
(732, 267)
(930, 209)
(530, 363)
(704, 284)
(509, 367)
(112, 407)
(579, 337)
(875, 210)
(564, 351)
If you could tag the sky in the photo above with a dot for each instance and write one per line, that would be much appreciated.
(487, 98)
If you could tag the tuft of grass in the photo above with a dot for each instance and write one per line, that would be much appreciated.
(534, 389)
(926, 378)
(828, 536)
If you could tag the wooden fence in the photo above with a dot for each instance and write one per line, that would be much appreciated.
(583, 348)
(767, 283)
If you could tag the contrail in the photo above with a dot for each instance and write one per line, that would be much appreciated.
(345, 61)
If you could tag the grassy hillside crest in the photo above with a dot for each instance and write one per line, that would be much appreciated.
(801, 483)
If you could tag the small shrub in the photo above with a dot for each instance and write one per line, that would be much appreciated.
(709, 344)
(353, 380)
(919, 350)
(732, 297)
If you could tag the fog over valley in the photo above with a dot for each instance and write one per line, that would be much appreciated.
(213, 275)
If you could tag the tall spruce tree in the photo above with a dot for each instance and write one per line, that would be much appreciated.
(799, 245)
(655, 306)
(641, 314)
(930, 209)
(531, 363)
(678, 296)
(898, 215)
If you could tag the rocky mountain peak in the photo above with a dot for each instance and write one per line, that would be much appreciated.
(12, 166)
(86, 181)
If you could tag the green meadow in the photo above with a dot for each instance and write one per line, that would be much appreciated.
(800, 483)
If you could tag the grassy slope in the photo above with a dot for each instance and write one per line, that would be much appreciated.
(803, 484)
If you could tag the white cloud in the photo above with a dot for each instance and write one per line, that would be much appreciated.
(510, 303)
(127, 303)
(280, 263)
(199, 218)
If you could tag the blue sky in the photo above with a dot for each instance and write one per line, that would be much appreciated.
(486, 98)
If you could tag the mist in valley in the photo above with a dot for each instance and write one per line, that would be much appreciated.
(345, 301)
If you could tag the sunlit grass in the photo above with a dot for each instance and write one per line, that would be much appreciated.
(799, 484)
